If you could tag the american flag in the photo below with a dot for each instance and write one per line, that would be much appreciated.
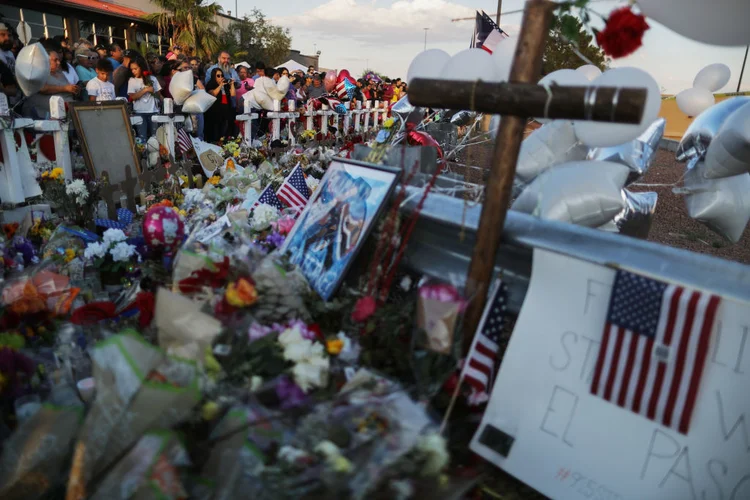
(294, 192)
(487, 34)
(479, 366)
(654, 349)
(269, 198)
(184, 142)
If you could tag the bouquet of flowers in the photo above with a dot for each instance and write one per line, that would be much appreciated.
(73, 201)
(112, 256)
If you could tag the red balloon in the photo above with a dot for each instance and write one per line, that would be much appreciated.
(47, 147)
(344, 75)
(419, 138)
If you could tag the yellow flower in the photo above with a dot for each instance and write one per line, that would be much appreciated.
(214, 180)
(183, 212)
(70, 254)
(237, 154)
(334, 346)
(210, 410)
(230, 163)
(45, 175)
(340, 464)
(241, 293)
(56, 173)
(388, 123)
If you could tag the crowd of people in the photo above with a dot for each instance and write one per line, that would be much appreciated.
(87, 72)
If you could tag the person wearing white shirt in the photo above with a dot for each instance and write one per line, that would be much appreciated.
(143, 92)
(99, 89)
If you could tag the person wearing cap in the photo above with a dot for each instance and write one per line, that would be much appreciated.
(86, 68)
(6, 44)
(102, 51)
(121, 75)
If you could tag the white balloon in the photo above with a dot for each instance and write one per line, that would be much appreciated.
(32, 68)
(503, 57)
(718, 22)
(181, 86)
(564, 78)
(712, 77)
(695, 101)
(586, 193)
(470, 65)
(198, 102)
(611, 134)
(729, 153)
(427, 64)
(590, 71)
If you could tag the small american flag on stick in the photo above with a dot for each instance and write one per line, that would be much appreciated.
(269, 198)
(654, 349)
(294, 192)
(184, 142)
(479, 367)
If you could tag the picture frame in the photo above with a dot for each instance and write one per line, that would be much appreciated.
(337, 221)
(107, 139)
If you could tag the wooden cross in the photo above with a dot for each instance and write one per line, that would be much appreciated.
(516, 101)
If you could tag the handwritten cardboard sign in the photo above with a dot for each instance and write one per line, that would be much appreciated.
(543, 426)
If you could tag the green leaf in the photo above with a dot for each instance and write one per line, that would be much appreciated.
(569, 26)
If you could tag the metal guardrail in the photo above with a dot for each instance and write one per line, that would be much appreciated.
(437, 250)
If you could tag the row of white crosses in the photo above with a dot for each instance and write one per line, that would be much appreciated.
(17, 174)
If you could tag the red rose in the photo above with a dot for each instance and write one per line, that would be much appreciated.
(93, 313)
(145, 302)
(363, 309)
(315, 328)
(623, 33)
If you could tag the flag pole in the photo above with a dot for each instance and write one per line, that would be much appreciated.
(743, 68)
(449, 410)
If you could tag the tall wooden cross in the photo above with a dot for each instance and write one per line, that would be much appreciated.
(516, 101)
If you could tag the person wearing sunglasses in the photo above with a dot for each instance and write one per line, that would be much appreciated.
(86, 68)
(220, 116)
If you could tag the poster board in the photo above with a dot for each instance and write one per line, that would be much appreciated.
(106, 139)
(543, 426)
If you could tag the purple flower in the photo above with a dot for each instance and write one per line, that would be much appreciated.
(24, 247)
(17, 370)
(289, 393)
(258, 331)
(276, 239)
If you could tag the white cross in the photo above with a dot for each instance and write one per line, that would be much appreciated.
(358, 116)
(11, 185)
(368, 105)
(276, 115)
(59, 128)
(347, 119)
(169, 119)
(247, 126)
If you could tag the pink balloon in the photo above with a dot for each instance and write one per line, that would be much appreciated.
(344, 74)
(330, 80)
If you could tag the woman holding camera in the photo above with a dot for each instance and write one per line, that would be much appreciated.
(220, 116)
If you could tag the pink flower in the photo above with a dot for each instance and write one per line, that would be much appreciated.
(364, 308)
(283, 225)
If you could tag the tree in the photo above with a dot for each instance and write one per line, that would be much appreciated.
(191, 24)
(568, 32)
(254, 38)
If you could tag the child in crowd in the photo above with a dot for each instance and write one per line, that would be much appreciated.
(143, 91)
(99, 89)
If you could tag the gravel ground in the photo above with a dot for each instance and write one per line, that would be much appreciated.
(672, 226)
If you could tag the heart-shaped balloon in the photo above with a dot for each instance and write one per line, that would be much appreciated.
(343, 75)
(419, 138)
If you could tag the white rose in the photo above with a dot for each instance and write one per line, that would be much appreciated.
(122, 252)
(299, 351)
(433, 447)
(290, 336)
(95, 250)
(308, 376)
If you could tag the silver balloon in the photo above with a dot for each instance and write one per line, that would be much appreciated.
(729, 152)
(704, 128)
(636, 218)
(406, 111)
(462, 118)
(723, 205)
(637, 154)
(32, 68)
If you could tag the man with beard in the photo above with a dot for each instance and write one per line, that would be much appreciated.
(224, 64)
(8, 84)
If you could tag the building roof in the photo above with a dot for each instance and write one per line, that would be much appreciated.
(104, 7)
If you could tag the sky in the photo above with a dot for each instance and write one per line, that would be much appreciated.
(385, 35)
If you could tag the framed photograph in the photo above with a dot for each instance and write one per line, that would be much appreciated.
(337, 220)
(106, 139)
